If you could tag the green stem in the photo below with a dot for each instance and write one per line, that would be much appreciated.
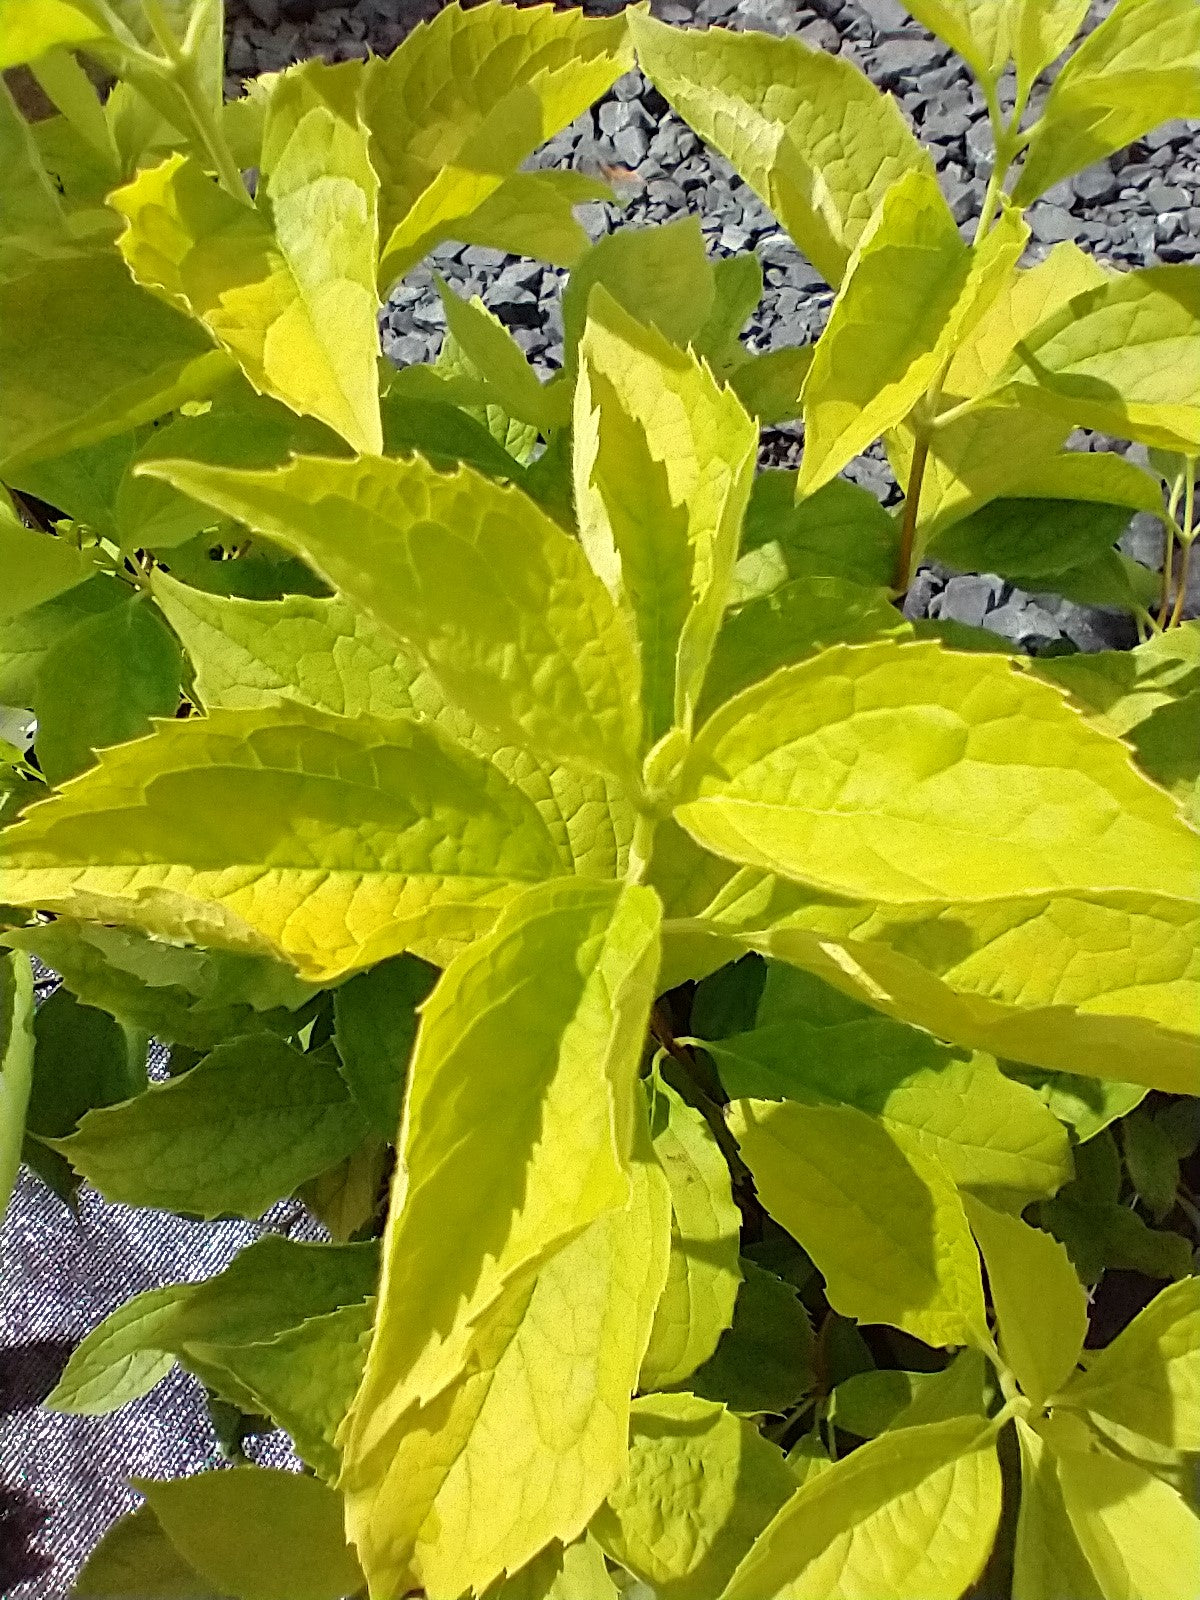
(181, 70)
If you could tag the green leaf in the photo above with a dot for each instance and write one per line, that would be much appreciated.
(30, 27)
(330, 655)
(1040, 31)
(664, 458)
(841, 532)
(764, 1360)
(930, 744)
(298, 314)
(737, 291)
(444, 435)
(1148, 1378)
(879, 1522)
(566, 978)
(1041, 1309)
(1139, 68)
(870, 1403)
(1088, 1104)
(727, 1002)
(83, 1059)
(1123, 688)
(82, 484)
(257, 1534)
(349, 1197)
(812, 1043)
(104, 683)
(701, 1486)
(1047, 1563)
(449, 839)
(1152, 1164)
(704, 1278)
(37, 567)
(1138, 1535)
(912, 291)
(120, 359)
(882, 1222)
(1034, 543)
(458, 107)
(237, 1132)
(1100, 1234)
(439, 1496)
(496, 597)
(375, 1027)
(1121, 358)
(180, 995)
(660, 276)
(135, 1557)
(770, 386)
(272, 1286)
(304, 1377)
(33, 214)
(26, 638)
(16, 1065)
(808, 132)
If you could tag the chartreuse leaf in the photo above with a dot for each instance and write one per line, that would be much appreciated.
(16, 1064)
(375, 1024)
(662, 276)
(701, 1486)
(257, 1534)
(808, 132)
(539, 1029)
(977, 29)
(1034, 543)
(1087, 1104)
(879, 1522)
(663, 461)
(737, 290)
(912, 290)
(37, 566)
(812, 1043)
(1048, 1563)
(469, 1481)
(300, 320)
(33, 214)
(531, 214)
(770, 386)
(1139, 68)
(102, 684)
(1041, 1309)
(1040, 30)
(1106, 984)
(178, 994)
(764, 1359)
(350, 1196)
(120, 359)
(30, 27)
(930, 744)
(304, 1377)
(234, 826)
(238, 1131)
(1139, 1536)
(271, 1287)
(1122, 357)
(335, 657)
(883, 1224)
(457, 108)
(575, 1572)
(136, 1557)
(566, 978)
(496, 597)
(704, 1277)
(1148, 1378)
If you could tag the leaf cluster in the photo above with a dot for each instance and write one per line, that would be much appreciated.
(731, 1034)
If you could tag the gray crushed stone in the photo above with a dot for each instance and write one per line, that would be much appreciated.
(1141, 206)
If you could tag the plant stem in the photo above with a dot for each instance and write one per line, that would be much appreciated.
(181, 70)
(1189, 538)
(912, 505)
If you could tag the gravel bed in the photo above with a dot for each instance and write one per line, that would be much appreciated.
(1142, 206)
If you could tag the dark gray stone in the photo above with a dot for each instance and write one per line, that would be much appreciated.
(1094, 185)
(1052, 224)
